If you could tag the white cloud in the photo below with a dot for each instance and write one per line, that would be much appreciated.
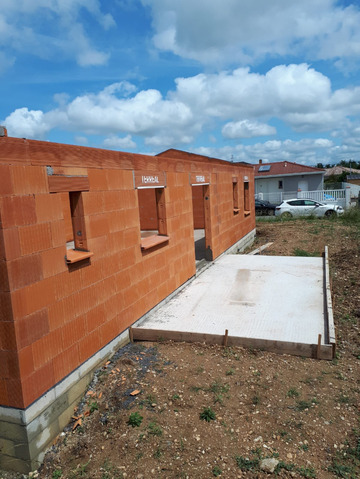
(234, 31)
(247, 129)
(26, 123)
(124, 143)
(51, 29)
(295, 95)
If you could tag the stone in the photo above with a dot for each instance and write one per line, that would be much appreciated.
(269, 464)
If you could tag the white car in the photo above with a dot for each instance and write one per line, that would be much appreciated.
(297, 207)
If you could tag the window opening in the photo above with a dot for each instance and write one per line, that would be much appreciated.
(246, 198)
(235, 192)
(152, 212)
(280, 185)
(76, 241)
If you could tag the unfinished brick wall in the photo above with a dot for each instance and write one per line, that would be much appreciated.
(55, 315)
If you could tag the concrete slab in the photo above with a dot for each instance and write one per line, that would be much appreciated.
(274, 298)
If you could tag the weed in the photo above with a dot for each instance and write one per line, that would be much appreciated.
(293, 393)
(343, 399)
(154, 429)
(135, 419)
(304, 447)
(158, 453)
(256, 399)
(303, 405)
(56, 474)
(230, 372)
(175, 396)
(207, 414)
(93, 407)
(200, 370)
(245, 464)
(216, 471)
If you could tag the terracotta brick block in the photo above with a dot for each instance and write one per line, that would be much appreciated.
(53, 261)
(110, 265)
(46, 348)
(113, 306)
(131, 218)
(7, 336)
(35, 238)
(26, 361)
(88, 346)
(31, 328)
(4, 276)
(131, 237)
(98, 225)
(6, 312)
(10, 244)
(56, 315)
(9, 365)
(38, 383)
(58, 233)
(95, 318)
(49, 207)
(17, 211)
(92, 274)
(117, 223)
(119, 179)
(97, 179)
(29, 179)
(112, 200)
(73, 331)
(14, 393)
(24, 271)
(93, 202)
(98, 246)
(123, 280)
(4, 401)
(108, 331)
(36, 296)
(128, 257)
(6, 185)
(66, 362)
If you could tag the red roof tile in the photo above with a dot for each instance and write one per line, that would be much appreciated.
(280, 168)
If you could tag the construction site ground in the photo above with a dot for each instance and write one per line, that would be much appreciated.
(177, 410)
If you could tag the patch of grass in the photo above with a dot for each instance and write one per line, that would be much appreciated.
(135, 419)
(207, 414)
(303, 405)
(56, 474)
(216, 471)
(230, 372)
(93, 406)
(302, 252)
(154, 429)
(158, 453)
(293, 393)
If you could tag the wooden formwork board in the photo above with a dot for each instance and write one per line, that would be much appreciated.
(323, 351)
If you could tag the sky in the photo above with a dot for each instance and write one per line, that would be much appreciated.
(238, 80)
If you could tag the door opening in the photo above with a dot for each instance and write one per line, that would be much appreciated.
(200, 195)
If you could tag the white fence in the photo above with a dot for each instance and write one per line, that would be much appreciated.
(339, 197)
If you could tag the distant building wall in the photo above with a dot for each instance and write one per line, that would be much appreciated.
(58, 309)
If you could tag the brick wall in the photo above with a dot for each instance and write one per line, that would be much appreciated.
(56, 315)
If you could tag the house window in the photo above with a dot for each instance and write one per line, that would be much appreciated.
(280, 185)
(235, 197)
(152, 217)
(246, 198)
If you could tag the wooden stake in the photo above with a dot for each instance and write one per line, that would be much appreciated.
(226, 338)
(318, 347)
(131, 335)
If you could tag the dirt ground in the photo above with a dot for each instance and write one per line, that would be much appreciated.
(176, 410)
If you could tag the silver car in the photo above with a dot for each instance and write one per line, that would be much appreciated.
(297, 207)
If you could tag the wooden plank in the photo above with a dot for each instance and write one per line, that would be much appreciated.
(329, 314)
(258, 250)
(59, 184)
(280, 347)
